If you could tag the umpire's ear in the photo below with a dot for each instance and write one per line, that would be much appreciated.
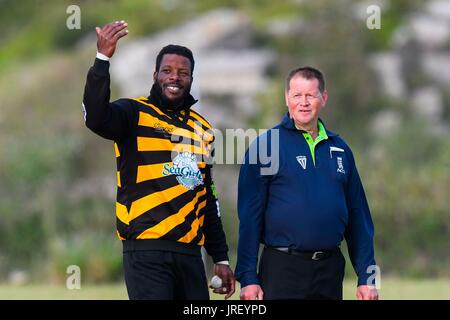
(324, 95)
(286, 96)
(155, 75)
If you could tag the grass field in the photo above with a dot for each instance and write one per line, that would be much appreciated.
(401, 289)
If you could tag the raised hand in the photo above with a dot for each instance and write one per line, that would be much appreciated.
(108, 36)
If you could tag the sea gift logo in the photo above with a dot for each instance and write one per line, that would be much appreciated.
(186, 169)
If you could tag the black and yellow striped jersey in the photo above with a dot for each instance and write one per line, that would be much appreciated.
(165, 191)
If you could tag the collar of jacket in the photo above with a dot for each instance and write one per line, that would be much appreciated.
(289, 124)
(156, 99)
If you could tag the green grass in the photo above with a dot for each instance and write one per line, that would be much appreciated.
(391, 288)
(51, 292)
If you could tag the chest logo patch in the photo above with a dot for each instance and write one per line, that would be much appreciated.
(186, 170)
(302, 161)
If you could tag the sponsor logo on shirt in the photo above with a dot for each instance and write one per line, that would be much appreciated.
(186, 170)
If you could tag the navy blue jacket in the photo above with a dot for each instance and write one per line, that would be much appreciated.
(294, 202)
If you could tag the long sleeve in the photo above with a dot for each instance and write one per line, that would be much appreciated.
(114, 120)
(215, 240)
(252, 195)
(360, 230)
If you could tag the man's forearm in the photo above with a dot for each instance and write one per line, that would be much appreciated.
(97, 94)
(215, 240)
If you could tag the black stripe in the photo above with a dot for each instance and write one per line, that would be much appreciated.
(204, 128)
(150, 132)
(145, 188)
(202, 212)
(175, 122)
(185, 141)
(147, 109)
(147, 132)
(122, 197)
(198, 237)
(160, 132)
(126, 164)
(200, 116)
(159, 213)
(167, 130)
(155, 157)
(122, 228)
(183, 228)
(202, 198)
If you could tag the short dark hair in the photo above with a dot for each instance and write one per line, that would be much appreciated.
(175, 49)
(307, 73)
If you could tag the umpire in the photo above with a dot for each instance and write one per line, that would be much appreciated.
(302, 211)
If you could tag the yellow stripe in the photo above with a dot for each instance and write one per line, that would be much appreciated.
(148, 120)
(155, 171)
(118, 235)
(172, 221)
(150, 172)
(198, 118)
(190, 122)
(207, 135)
(202, 241)
(151, 106)
(119, 184)
(187, 238)
(147, 203)
(155, 144)
(116, 150)
(201, 220)
(122, 213)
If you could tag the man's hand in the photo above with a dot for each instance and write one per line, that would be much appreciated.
(108, 36)
(252, 292)
(224, 272)
(366, 293)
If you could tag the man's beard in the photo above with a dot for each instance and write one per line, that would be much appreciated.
(173, 103)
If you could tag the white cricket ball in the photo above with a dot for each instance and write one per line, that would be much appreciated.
(216, 282)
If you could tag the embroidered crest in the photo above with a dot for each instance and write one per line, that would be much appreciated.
(302, 161)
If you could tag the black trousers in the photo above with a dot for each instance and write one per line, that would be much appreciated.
(164, 275)
(285, 276)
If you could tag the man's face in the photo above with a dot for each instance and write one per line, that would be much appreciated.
(305, 101)
(174, 78)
